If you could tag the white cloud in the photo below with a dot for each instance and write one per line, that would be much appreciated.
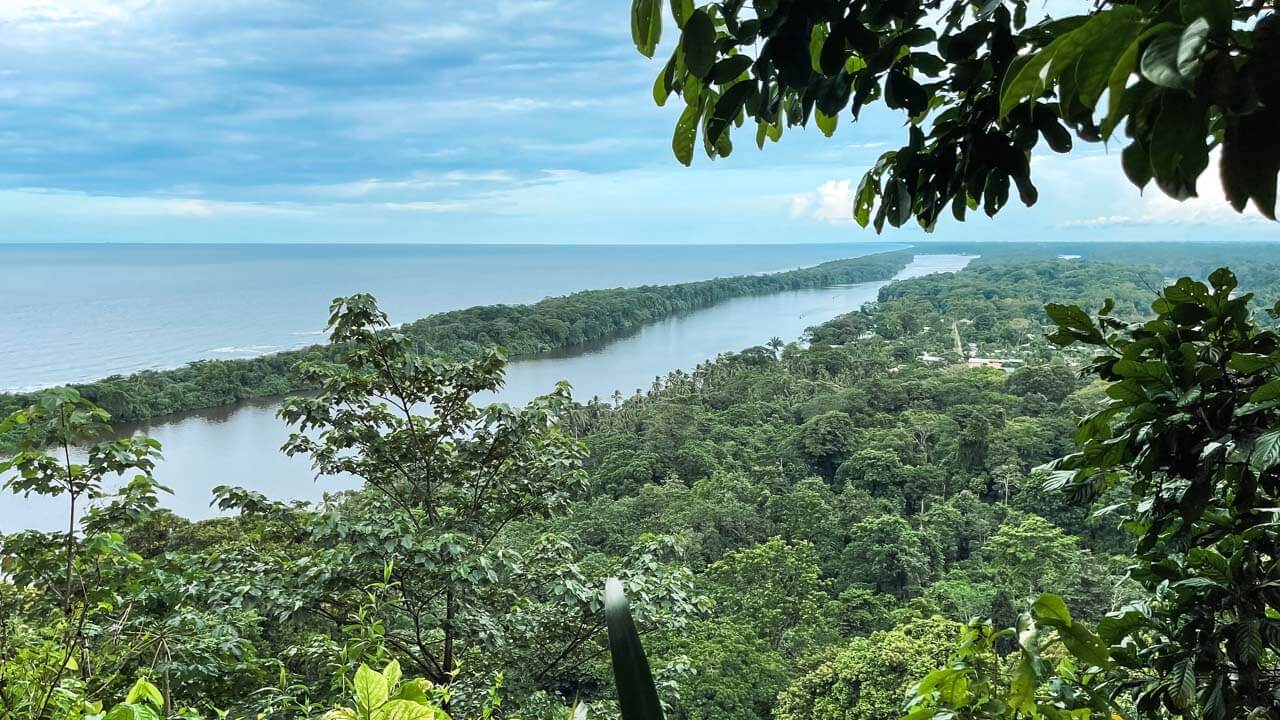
(36, 14)
(594, 145)
(832, 202)
(799, 204)
(426, 206)
(1127, 207)
(445, 32)
(488, 176)
(79, 203)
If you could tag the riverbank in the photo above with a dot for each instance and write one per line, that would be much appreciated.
(557, 323)
(239, 444)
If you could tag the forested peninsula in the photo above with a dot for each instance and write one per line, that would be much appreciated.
(555, 323)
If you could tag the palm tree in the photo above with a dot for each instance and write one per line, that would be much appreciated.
(775, 344)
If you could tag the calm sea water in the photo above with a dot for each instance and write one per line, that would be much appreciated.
(83, 312)
(239, 445)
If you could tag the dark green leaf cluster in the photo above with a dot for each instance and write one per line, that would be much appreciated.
(981, 87)
(1190, 427)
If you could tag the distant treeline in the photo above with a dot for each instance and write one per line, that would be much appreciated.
(551, 324)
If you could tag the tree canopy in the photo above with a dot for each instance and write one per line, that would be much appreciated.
(981, 84)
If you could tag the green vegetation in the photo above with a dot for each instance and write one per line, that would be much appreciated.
(554, 323)
(805, 531)
(981, 85)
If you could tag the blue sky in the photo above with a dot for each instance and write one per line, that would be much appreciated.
(437, 121)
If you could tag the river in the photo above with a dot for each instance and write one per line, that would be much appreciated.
(239, 444)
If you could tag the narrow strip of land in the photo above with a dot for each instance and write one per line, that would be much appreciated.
(555, 323)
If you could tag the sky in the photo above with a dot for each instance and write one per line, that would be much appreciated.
(442, 121)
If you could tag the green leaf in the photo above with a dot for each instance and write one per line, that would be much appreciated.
(1084, 645)
(1190, 49)
(1105, 51)
(408, 710)
(698, 41)
(1022, 690)
(1178, 147)
(730, 69)
(371, 689)
(817, 39)
(681, 10)
(646, 25)
(661, 91)
(1057, 136)
(1104, 36)
(1160, 62)
(125, 711)
(1184, 674)
(728, 107)
(686, 134)
(1136, 164)
(826, 123)
(1250, 363)
(1125, 65)
(392, 674)
(637, 696)
(1251, 160)
(1051, 610)
(900, 91)
(1069, 316)
(143, 691)
(1266, 452)
(1216, 12)
(865, 200)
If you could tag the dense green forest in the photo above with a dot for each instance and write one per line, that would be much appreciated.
(805, 530)
(553, 323)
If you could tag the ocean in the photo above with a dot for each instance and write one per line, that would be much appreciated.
(76, 313)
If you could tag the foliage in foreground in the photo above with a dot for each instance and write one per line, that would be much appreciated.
(981, 85)
(838, 507)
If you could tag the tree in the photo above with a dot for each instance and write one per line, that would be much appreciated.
(1054, 673)
(446, 486)
(79, 574)
(774, 589)
(886, 555)
(805, 513)
(1191, 427)
(980, 87)
(734, 674)
(1029, 556)
(875, 470)
(1054, 382)
(868, 678)
(825, 440)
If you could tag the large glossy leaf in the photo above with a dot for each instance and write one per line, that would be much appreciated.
(646, 25)
(144, 691)
(1160, 61)
(1266, 452)
(1051, 610)
(728, 107)
(1104, 36)
(685, 134)
(407, 710)
(698, 41)
(637, 696)
(1251, 160)
(1191, 47)
(371, 689)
